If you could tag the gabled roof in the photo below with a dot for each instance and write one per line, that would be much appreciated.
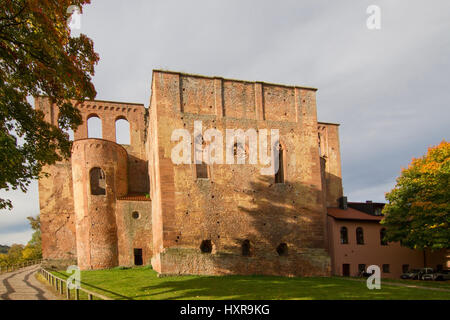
(351, 214)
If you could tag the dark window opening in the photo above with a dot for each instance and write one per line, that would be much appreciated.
(97, 181)
(282, 249)
(246, 248)
(138, 261)
(346, 270)
(359, 235)
(383, 240)
(279, 175)
(344, 235)
(405, 268)
(385, 268)
(206, 246)
(202, 170)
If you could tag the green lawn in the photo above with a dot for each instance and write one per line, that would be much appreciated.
(143, 283)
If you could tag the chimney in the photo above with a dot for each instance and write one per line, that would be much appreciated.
(343, 203)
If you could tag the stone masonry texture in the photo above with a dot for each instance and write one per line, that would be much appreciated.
(154, 210)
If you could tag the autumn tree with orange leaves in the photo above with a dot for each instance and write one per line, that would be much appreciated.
(39, 56)
(418, 212)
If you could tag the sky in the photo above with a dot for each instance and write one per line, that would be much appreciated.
(388, 88)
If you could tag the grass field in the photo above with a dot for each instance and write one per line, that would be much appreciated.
(143, 284)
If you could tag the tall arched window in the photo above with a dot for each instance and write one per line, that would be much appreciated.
(201, 169)
(97, 181)
(94, 127)
(359, 235)
(123, 131)
(383, 241)
(279, 175)
(344, 235)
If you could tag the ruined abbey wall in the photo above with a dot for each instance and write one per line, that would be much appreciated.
(114, 204)
(94, 229)
(236, 203)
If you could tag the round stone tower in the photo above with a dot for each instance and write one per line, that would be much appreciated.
(99, 169)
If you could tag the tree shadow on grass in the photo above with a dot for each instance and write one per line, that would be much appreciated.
(251, 288)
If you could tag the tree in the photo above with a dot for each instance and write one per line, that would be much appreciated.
(418, 212)
(33, 249)
(15, 254)
(39, 56)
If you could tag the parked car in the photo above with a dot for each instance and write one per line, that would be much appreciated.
(411, 274)
(427, 274)
(442, 275)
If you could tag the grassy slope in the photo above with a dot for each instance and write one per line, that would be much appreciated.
(143, 283)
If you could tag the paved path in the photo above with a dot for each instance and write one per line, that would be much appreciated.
(23, 285)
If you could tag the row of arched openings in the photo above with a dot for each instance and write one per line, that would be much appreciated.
(95, 130)
(360, 236)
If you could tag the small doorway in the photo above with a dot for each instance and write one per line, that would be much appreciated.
(138, 261)
(346, 270)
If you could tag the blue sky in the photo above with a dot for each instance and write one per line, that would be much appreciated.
(388, 88)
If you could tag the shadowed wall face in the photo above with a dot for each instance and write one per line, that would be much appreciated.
(236, 205)
(331, 163)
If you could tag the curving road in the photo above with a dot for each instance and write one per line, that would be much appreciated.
(23, 285)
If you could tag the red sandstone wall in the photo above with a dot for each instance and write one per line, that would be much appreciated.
(372, 253)
(96, 228)
(56, 203)
(136, 115)
(236, 203)
(56, 191)
(331, 154)
(134, 233)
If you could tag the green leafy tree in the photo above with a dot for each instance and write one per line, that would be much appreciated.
(418, 212)
(15, 254)
(39, 56)
(33, 249)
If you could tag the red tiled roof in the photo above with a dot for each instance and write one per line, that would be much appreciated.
(351, 214)
(135, 197)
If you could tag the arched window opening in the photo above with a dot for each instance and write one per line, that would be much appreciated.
(69, 133)
(344, 235)
(359, 235)
(279, 175)
(240, 153)
(201, 169)
(94, 127)
(123, 131)
(282, 249)
(97, 181)
(246, 248)
(206, 246)
(383, 240)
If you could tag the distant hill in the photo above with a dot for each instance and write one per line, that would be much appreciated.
(4, 249)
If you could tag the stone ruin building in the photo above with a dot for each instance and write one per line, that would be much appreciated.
(123, 205)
